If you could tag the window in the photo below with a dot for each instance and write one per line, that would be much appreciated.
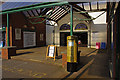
(17, 34)
(81, 26)
(41, 37)
(65, 27)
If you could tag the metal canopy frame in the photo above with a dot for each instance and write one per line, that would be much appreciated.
(72, 6)
(36, 6)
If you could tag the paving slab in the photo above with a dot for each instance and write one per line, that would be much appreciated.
(93, 64)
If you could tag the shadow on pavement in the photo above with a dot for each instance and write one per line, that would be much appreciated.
(96, 65)
(23, 53)
(82, 61)
(91, 52)
(67, 76)
(59, 57)
(99, 67)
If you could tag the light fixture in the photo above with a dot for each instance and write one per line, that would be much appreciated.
(33, 27)
(25, 26)
(69, 23)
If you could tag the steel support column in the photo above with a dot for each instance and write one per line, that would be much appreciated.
(8, 30)
(71, 20)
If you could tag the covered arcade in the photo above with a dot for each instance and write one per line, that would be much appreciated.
(66, 7)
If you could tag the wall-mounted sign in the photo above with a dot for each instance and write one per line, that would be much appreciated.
(70, 43)
(29, 39)
(41, 37)
(51, 52)
(17, 34)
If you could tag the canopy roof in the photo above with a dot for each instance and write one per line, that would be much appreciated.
(61, 8)
(11, 5)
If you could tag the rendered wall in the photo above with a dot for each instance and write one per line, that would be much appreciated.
(98, 29)
(49, 34)
(66, 20)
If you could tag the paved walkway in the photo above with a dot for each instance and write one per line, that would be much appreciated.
(93, 63)
(29, 69)
(39, 55)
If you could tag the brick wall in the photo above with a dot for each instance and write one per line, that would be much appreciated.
(18, 20)
(41, 29)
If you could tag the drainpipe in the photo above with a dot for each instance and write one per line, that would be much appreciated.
(7, 30)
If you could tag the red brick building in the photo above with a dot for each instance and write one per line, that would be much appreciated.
(24, 34)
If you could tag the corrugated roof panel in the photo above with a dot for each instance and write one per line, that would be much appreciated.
(26, 14)
(11, 5)
(62, 14)
(34, 11)
(57, 12)
(62, 10)
(31, 13)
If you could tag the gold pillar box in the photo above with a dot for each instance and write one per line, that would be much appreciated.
(72, 49)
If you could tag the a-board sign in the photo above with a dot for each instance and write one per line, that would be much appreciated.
(51, 51)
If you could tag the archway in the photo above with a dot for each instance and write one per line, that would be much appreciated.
(82, 34)
(63, 35)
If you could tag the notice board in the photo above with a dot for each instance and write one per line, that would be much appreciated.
(29, 39)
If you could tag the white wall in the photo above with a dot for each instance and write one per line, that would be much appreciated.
(76, 16)
(57, 36)
(49, 34)
(99, 20)
(66, 20)
(98, 29)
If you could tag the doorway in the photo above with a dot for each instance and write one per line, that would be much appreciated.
(82, 36)
(63, 38)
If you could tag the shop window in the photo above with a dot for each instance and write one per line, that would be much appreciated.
(65, 27)
(41, 37)
(81, 26)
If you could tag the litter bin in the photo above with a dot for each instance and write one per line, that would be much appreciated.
(103, 45)
(97, 45)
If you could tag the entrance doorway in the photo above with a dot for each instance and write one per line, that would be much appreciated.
(82, 36)
(63, 38)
